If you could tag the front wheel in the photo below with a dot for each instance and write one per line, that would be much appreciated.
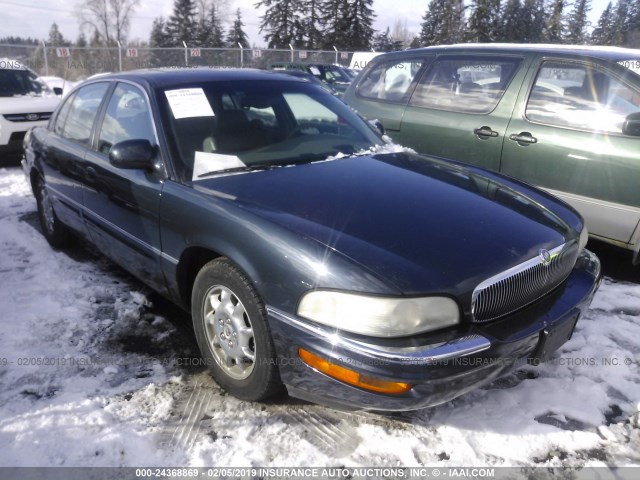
(53, 229)
(230, 324)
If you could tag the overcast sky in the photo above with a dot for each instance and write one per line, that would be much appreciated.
(30, 18)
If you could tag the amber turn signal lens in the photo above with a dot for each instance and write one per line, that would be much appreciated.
(352, 378)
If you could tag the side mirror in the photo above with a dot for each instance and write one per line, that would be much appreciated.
(133, 154)
(57, 91)
(631, 125)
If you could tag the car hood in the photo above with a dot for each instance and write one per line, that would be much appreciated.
(420, 224)
(28, 104)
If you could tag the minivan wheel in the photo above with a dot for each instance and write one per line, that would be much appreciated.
(231, 328)
(53, 229)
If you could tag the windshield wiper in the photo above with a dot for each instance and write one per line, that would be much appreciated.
(300, 159)
(246, 168)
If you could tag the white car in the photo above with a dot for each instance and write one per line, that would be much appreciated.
(55, 83)
(24, 103)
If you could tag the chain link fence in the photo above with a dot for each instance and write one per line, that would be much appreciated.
(79, 63)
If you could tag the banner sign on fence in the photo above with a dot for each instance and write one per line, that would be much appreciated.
(303, 54)
(63, 52)
(132, 52)
(257, 53)
(195, 52)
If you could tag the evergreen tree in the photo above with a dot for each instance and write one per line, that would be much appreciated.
(312, 23)
(81, 41)
(454, 24)
(96, 40)
(433, 19)
(532, 18)
(360, 30)
(209, 32)
(19, 41)
(578, 22)
(279, 22)
(159, 37)
(512, 25)
(443, 23)
(603, 33)
(415, 43)
(236, 34)
(554, 29)
(484, 21)
(56, 38)
(382, 42)
(334, 19)
(633, 25)
(620, 23)
(182, 26)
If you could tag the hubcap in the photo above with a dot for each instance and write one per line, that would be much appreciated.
(47, 209)
(229, 332)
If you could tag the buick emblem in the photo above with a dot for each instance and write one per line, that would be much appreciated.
(32, 117)
(545, 256)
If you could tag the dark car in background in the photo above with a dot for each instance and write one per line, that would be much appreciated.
(564, 118)
(310, 78)
(333, 75)
(310, 255)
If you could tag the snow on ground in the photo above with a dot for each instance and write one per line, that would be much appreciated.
(93, 374)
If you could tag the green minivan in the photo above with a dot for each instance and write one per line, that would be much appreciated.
(564, 118)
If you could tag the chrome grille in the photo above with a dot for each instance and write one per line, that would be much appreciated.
(28, 117)
(523, 284)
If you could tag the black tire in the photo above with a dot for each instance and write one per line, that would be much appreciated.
(56, 233)
(221, 281)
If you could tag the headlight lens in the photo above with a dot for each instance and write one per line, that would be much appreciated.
(584, 237)
(379, 316)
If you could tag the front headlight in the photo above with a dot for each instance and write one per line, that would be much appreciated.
(379, 316)
(584, 238)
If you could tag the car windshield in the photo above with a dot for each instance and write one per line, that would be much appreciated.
(221, 127)
(20, 82)
(334, 74)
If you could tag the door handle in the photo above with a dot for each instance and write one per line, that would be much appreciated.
(523, 138)
(485, 132)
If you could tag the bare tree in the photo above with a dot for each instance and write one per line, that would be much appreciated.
(109, 19)
(401, 33)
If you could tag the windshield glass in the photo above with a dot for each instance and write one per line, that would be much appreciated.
(218, 127)
(20, 82)
(332, 73)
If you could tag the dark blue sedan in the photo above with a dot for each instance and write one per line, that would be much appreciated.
(312, 257)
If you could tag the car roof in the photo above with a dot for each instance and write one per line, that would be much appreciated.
(162, 77)
(604, 52)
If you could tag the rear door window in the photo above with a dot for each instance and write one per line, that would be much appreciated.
(465, 84)
(83, 111)
(58, 126)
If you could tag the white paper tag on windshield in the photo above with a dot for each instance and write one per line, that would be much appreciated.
(314, 70)
(189, 102)
(206, 162)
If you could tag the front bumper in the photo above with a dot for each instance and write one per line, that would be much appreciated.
(439, 366)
